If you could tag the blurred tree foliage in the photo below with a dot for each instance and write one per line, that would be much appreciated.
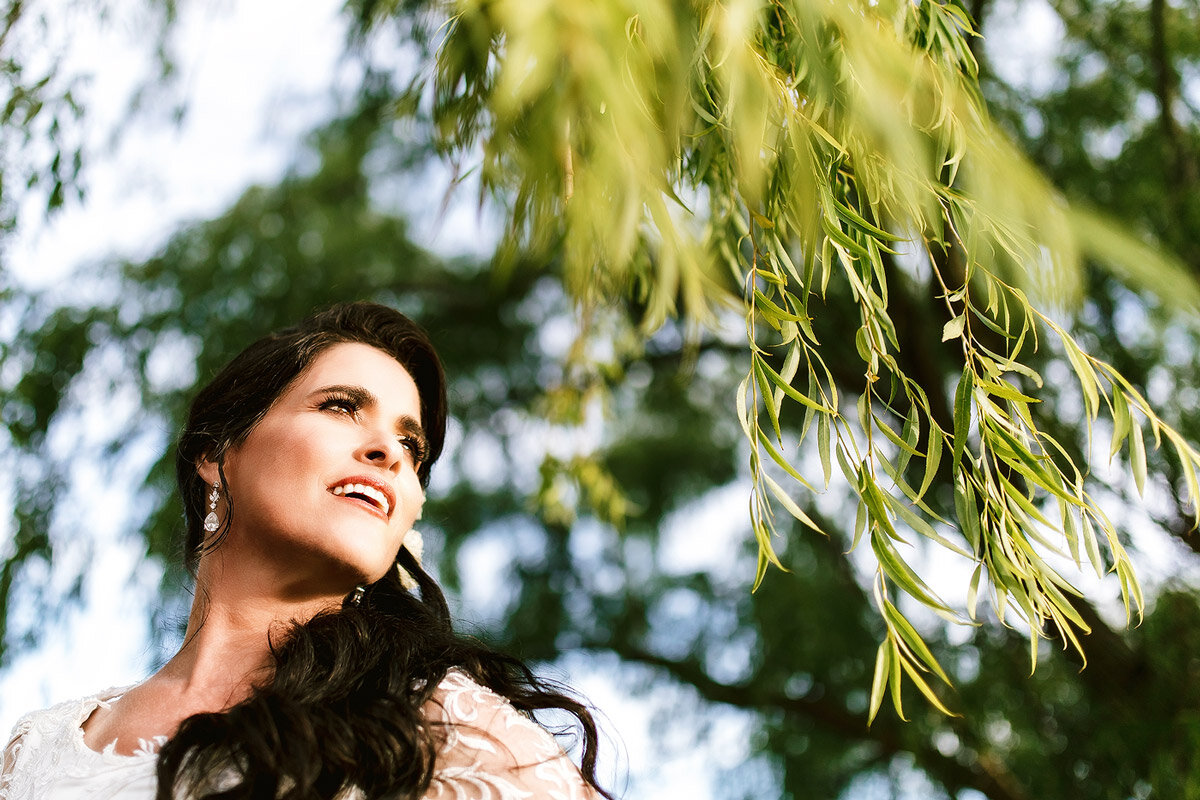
(43, 95)
(606, 574)
(806, 163)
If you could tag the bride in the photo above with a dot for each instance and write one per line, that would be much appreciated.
(319, 660)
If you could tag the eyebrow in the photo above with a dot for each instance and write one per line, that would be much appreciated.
(405, 424)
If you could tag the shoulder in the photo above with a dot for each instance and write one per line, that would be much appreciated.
(475, 717)
(490, 751)
(41, 733)
(66, 716)
(67, 713)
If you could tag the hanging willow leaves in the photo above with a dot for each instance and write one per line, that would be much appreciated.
(698, 157)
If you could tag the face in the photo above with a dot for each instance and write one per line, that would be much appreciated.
(325, 487)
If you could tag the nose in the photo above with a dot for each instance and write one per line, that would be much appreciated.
(383, 451)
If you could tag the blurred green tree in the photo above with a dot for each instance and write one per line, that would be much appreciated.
(599, 568)
(43, 105)
(825, 170)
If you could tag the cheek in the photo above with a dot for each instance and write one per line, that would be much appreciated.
(260, 480)
(413, 498)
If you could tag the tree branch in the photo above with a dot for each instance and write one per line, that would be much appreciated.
(1181, 169)
(987, 774)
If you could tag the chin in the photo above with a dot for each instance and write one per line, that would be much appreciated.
(372, 570)
(367, 561)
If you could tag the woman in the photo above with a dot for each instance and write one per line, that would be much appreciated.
(308, 669)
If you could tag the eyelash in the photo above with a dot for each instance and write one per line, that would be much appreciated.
(417, 447)
(350, 406)
(346, 404)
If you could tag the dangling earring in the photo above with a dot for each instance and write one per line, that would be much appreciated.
(211, 523)
(357, 596)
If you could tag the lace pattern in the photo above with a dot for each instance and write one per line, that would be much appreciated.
(46, 758)
(487, 751)
(490, 751)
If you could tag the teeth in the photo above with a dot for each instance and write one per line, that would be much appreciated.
(367, 491)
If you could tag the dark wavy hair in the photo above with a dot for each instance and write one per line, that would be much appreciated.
(341, 705)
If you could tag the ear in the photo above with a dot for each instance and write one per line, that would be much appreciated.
(208, 471)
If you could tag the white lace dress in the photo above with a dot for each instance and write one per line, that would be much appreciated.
(489, 752)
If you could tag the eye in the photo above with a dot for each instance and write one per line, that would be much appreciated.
(416, 449)
(341, 405)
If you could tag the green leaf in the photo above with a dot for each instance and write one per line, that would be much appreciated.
(823, 447)
(850, 215)
(788, 389)
(1189, 473)
(898, 480)
(911, 434)
(1137, 458)
(962, 413)
(954, 328)
(925, 689)
(860, 523)
(1122, 423)
(781, 254)
(839, 238)
(1070, 529)
(768, 396)
(894, 677)
(1005, 391)
(743, 412)
(973, 591)
(908, 634)
(895, 438)
(876, 505)
(1086, 375)
(1130, 587)
(1017, 455)
(967, 510)
(783, 463)
(933, 456)
(879, 679)
(766, 554)
(1091, 545)
(772, 309)
(922, 527)
(900, 573)
(790, 504)
(863, 345)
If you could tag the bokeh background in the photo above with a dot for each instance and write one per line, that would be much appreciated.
(221, 169)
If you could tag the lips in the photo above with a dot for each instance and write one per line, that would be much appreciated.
(370, 490)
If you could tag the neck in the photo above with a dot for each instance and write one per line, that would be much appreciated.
(233, 620)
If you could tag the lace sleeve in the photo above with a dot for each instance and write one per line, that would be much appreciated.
(489, 751)
(8, 763)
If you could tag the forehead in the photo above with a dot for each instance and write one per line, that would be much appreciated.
(357, 364)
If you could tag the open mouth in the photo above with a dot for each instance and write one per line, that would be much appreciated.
(366, 493)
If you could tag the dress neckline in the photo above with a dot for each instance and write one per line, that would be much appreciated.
(147, 748)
